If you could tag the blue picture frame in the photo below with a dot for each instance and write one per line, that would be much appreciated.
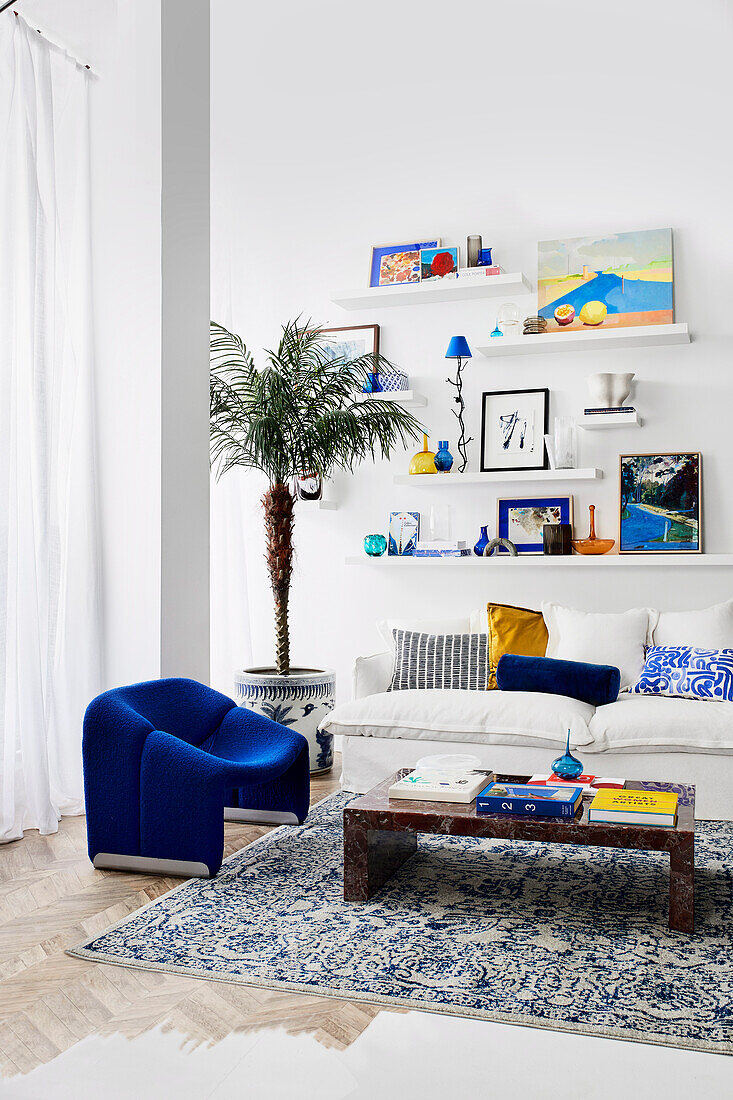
(382, 250)
(509, 526)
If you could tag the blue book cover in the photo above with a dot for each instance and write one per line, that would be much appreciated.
(509, 798)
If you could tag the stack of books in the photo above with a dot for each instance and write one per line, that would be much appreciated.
(622, 411)
(512, 798)
(442, 548)
(587, 783)
(431, 786)
(634, 808)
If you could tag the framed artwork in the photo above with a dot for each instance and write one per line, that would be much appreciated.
(660, 506)
(521, 520)
(513, 429)
(438, 263)
(397, 263)
(351, 341)
(613, 281)
(404, 529)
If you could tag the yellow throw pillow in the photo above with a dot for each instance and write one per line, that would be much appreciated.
(514, 630)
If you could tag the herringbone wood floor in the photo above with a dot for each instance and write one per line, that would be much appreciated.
(52, 898)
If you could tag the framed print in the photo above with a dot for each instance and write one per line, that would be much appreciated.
(404, 529)
(397, 263)
(660, 503)
(438, 263)
(351, 341)
(521, 520)
(513, 428)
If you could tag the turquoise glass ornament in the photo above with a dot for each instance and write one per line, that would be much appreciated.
(567, 765)
(375, 545)
(443, 457)
(482, 543)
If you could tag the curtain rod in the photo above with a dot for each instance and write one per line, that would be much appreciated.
(10, 3)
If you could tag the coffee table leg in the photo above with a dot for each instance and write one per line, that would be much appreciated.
(682, 886)
(371, 856)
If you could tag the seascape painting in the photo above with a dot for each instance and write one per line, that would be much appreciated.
(350, 342)
(614, 281)
(659, 503)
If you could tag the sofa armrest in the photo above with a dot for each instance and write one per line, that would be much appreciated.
(372, 675)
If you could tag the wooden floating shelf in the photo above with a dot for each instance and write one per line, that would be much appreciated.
(452, 290)
(605, 421)
(507, 477)
(570, 561)
(643, 336)
(402, 397)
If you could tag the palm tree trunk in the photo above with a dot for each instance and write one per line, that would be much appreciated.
(279, 518)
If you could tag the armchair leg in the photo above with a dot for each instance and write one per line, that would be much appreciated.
(260, 817)
(147, 865)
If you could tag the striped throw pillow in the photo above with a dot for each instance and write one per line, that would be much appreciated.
(440, 661)
(685, 672)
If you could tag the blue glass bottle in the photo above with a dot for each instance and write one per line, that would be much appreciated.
(567, 765)
(373, 383)
(443, 457)
(482, 543)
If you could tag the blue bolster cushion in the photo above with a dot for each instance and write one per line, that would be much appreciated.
(594, 684)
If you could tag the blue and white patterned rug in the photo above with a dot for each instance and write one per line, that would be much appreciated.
(535, 934)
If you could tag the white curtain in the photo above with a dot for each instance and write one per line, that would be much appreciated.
(49, 591)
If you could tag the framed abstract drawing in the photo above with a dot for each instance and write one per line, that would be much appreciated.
(351, 341)
(513, 429)
(404, 530)
(660, 507)
(521, 520)
(397, 263)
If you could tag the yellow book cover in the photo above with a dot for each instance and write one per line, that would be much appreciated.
(640, 802)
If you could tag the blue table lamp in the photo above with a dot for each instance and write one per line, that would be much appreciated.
(459, 350)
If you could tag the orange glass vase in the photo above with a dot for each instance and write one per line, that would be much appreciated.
(592, 545)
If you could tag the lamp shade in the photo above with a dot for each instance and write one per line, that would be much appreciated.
(458, 348)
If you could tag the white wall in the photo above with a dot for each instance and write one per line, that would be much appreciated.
(335, 127)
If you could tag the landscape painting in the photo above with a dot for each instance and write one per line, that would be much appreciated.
(659, 503)
(616, 281)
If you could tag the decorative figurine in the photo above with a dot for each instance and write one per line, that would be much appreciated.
(567, 766)
(501, 544)
(459, 350)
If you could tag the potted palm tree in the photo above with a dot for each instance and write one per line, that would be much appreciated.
(302, 413)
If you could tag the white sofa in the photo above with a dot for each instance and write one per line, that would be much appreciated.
(637, 737)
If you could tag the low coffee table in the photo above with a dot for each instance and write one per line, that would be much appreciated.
(380, 834)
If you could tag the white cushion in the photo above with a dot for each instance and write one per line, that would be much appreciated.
(711, 628)
(459, 625)
(616, 639)
(643, 723)
(492, 717)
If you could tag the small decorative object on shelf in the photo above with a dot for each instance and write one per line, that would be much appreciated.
(508, 319)
(473, 249)
(484, 258)
(496, 331)
(567, 766)
(393, 381)
(443, 458)
(592, 545)
(375, 545)
(404, 531)
(498, 545)
(609, 391)
(308, 486)
(372, 384)
(424, 461)
(459, 350)
(533, 326)
(566, 443)
(482, 543)
(557, 539)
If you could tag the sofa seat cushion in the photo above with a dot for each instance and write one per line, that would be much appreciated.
(490, 717)
(644, 723)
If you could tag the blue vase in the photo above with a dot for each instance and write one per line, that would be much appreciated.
(373, 384)
(375, 545)
(567, 765)
(482, 543)
(443, 457)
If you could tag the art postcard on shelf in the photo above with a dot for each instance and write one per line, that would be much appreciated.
(513, 427)
(438, 263)
(521, 520)
(615, 281)
(659, 503)
(350, 342)
(404, 530)
(397, 263)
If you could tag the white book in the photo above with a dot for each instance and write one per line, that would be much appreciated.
(424, 786)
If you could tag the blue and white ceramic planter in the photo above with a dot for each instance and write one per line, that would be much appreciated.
(393, 381)
(300, 700)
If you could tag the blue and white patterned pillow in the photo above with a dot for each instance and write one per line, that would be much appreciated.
(684, 672)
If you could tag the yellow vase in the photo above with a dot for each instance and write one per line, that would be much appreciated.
(424, 460)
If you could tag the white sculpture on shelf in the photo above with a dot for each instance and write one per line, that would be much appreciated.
(609, 391)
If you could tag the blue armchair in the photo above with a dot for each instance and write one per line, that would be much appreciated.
(166, 762)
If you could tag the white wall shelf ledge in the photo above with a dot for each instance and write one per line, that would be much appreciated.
(499, 477)
(598, 422)
(592, 339)
(323, 505)
(402, 397)
(428, 293)
(570, 561)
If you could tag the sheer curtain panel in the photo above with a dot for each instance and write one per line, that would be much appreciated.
(49, 592)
